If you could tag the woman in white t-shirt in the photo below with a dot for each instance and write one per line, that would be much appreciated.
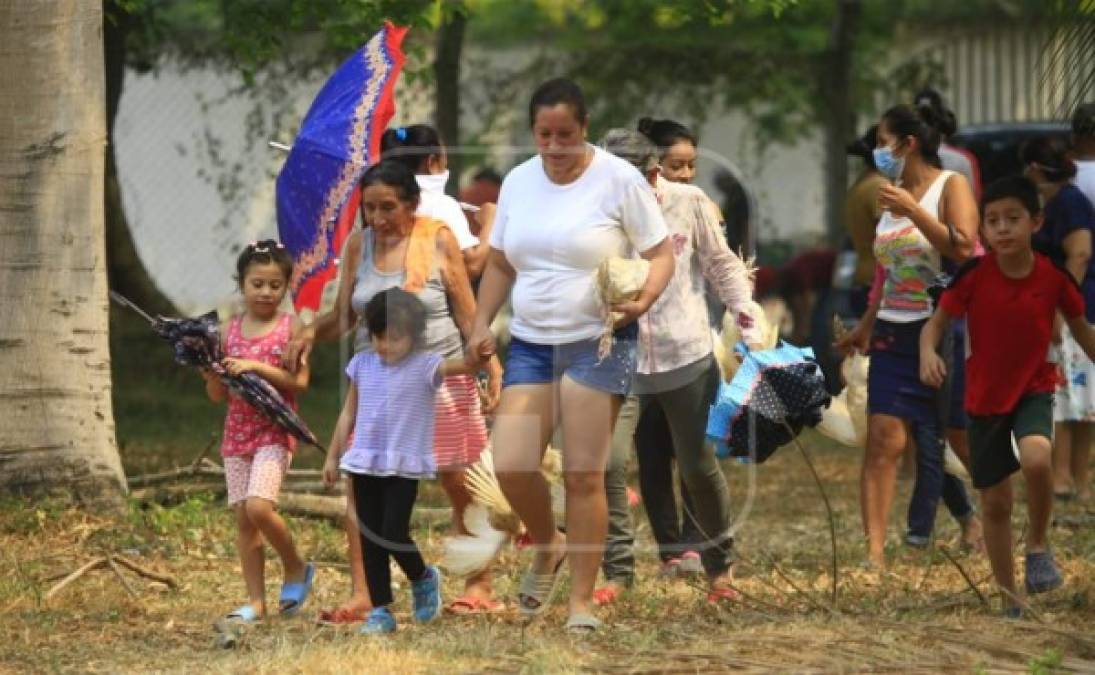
(559, 215)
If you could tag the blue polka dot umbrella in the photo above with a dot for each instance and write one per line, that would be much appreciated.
(773, 395)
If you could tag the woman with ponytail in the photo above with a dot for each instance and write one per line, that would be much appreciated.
(928, 214)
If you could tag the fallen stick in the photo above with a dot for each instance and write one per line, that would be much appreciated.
(965, 576)
(118, 574)
(164, 579)
(171, 494)
(81, 571)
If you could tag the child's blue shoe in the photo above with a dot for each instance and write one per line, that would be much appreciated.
(379, 621)
(427, 595)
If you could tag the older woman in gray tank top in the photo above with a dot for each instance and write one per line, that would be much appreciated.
(420, 255)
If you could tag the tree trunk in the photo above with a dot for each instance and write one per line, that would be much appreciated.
(446, 71)
(58, 422)
(125, 271)
(840, 118)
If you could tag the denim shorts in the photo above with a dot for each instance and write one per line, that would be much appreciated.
(529, 363)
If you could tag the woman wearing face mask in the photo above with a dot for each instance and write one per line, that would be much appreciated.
(419, 148)
(928, 214)
(1066, 237)
(560, 214)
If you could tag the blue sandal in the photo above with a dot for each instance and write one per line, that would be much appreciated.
(294, 594)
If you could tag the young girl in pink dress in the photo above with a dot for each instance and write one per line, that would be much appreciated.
(256, 451)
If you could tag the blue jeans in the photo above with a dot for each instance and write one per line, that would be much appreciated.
(932, 482)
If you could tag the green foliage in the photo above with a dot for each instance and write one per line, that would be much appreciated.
(768, 58)
(1046, 664)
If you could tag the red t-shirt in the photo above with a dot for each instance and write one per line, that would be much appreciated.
(1010, 325)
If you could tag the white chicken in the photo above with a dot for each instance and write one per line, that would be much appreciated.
(490, 519)
(845, 420)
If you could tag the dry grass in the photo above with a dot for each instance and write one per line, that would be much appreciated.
(921, 615)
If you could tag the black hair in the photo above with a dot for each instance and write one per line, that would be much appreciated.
(1051, 156)
(1083, 121)
(556, 91)
(263, 253)
(411, 145)
(397, 310)
(394, 174)
(1016, 187)
(922, 123)
(946, 122)
(863, 147)
(665, 133)
(488, 174)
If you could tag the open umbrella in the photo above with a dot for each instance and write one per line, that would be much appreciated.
(338, 139)
(197, 343)
(772, 396)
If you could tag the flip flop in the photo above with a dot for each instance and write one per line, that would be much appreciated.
(342, 616)
(467, 605)
(537, 590)
(297, 592)
(583, 624)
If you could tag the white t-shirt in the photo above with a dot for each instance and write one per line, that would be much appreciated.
(435, 204)
(555, 236)
(1085, 178)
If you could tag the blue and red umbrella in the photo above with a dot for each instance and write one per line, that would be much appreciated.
(338, 139)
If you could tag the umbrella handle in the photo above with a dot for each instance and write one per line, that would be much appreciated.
(126, 302)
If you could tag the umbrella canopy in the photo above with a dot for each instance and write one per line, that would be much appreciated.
(338, 139)
(772, 396)
(197, 343)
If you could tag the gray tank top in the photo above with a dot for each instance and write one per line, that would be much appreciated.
(442, 335)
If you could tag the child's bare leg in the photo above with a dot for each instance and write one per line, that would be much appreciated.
(477, 585)
(1062, 454)
(996, 503)
(261, 512)
(1081, 455)
(1035, 456)
(252, 560)
(359, 589)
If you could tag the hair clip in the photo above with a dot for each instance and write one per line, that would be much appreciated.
(401, 134)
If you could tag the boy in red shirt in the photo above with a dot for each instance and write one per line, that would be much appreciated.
(1010, 297)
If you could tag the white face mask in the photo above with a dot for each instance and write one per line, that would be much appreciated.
(433, 182)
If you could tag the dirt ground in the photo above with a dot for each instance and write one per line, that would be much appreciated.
(921, 615)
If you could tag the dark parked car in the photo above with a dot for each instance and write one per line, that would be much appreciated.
(996, 146)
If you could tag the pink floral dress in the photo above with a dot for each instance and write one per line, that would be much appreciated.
(247, 430)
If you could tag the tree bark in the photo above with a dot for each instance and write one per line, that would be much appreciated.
(840, 117)
(446, 70)
(58, 422)
(125, 271)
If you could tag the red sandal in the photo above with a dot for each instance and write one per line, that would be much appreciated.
(466, 605)
(723, 593)
(341, 616)
(606, 595)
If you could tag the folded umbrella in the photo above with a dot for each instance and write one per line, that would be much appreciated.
(197, 343)
(338, 139)
(772, 396)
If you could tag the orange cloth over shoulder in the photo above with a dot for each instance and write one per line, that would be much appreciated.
(421, 250)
